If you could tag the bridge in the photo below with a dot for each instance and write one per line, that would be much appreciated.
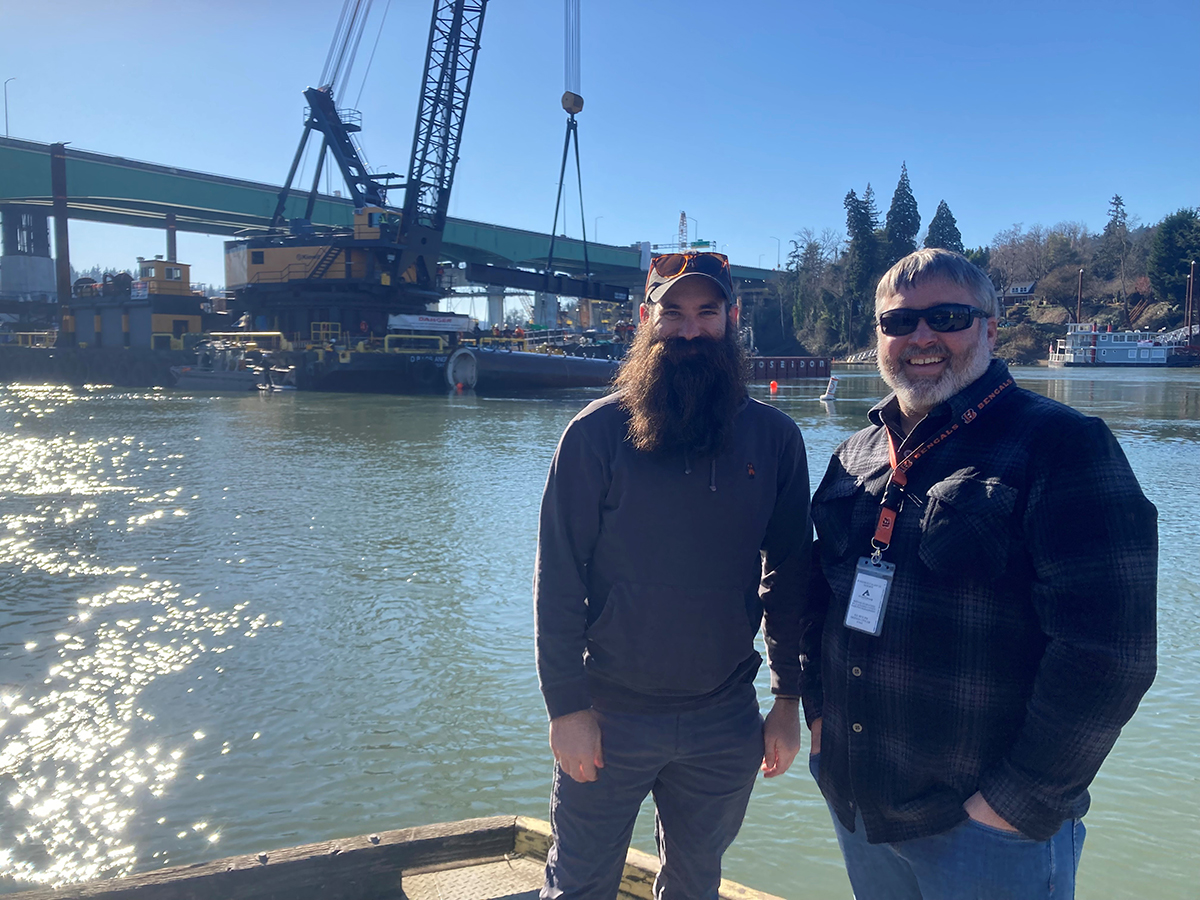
(113, 189)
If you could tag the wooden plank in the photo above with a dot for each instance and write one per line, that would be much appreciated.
(534, 838)
(367, 866)
(346, 869)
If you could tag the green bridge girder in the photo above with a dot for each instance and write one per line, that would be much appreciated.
(113, 189)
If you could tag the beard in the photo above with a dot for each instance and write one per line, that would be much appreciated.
(920, 395)
(682, 395)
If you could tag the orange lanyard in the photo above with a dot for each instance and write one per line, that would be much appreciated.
(893, 492)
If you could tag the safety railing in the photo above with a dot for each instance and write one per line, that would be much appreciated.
(264, 340)
(290, 272)
(161, 340)
(40, 340)
(414, 343)
(326, 332)
(504, 343)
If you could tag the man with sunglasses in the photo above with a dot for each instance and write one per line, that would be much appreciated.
(674, 520)
(987, 564)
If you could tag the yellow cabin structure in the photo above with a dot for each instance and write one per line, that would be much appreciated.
(156, 310)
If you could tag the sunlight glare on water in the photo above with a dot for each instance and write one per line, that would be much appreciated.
(239, 623)
(78, 752)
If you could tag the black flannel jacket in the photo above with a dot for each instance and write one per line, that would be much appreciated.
(1019, 634)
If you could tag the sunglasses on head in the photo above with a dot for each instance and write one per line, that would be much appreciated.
(672, 265)
(941, 318)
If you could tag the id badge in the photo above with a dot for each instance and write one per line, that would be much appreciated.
(868, 597)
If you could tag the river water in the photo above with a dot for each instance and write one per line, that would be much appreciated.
(237, 623)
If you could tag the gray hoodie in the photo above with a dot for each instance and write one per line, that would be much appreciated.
(654, 571)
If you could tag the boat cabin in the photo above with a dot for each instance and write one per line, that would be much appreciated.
(154, 310)
(1087, 345)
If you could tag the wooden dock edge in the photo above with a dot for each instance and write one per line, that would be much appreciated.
(355, 867)
(533, 839)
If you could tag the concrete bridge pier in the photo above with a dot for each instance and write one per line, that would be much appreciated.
(171, 229)
(62, 243)
(26, 267)
(545, 310)
(495, 301)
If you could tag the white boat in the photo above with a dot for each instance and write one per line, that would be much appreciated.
(1087, 344)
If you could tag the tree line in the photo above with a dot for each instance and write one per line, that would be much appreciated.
(1134, 274)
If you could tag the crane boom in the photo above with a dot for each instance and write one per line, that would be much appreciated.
(445, 88)
(389, 261)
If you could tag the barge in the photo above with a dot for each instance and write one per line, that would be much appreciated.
(392, 364)
(497, 858)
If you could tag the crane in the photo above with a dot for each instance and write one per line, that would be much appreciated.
(290, 276)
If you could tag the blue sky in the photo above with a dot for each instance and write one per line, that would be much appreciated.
(753, 117)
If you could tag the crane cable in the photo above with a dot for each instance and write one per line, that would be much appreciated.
(378, 35)
(571, 61)
(344, 47)
(357, 39)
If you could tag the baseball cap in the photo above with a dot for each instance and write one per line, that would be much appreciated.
(669, 268)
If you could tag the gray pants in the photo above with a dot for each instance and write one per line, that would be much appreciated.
(700, 765)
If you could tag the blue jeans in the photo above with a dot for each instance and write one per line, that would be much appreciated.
(971, 861)
(700, 765)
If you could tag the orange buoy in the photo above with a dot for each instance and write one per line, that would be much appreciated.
(774, 387)
(458, 387)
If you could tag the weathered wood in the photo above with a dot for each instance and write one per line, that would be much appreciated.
(534, 839)
(367, 867)
(356, 868)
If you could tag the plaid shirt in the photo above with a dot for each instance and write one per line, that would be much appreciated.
(1019, 634)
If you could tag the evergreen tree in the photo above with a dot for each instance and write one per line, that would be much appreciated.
(1112, 250)
(1113, 244)
(943, 231)
(869, 207)
(862, 267)
(903, 221)
(981, 257)
(1175, 245)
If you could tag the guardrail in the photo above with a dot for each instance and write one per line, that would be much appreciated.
(264, 340)
(40, 340)
(414, 343)
(161, 340)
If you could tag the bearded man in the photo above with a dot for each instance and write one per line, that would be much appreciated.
(675, 517)
(987, 565)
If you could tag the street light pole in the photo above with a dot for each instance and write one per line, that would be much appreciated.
(596, 228)
(778, 245)
(1079, 300)
(696, 224)
(6, 81)
(1191, 304)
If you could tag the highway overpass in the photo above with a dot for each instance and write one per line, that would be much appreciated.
(113, 189)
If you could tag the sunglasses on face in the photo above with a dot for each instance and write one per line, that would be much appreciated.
(672, 265)
(941, 318)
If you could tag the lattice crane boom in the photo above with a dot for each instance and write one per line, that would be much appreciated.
(445, 88)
